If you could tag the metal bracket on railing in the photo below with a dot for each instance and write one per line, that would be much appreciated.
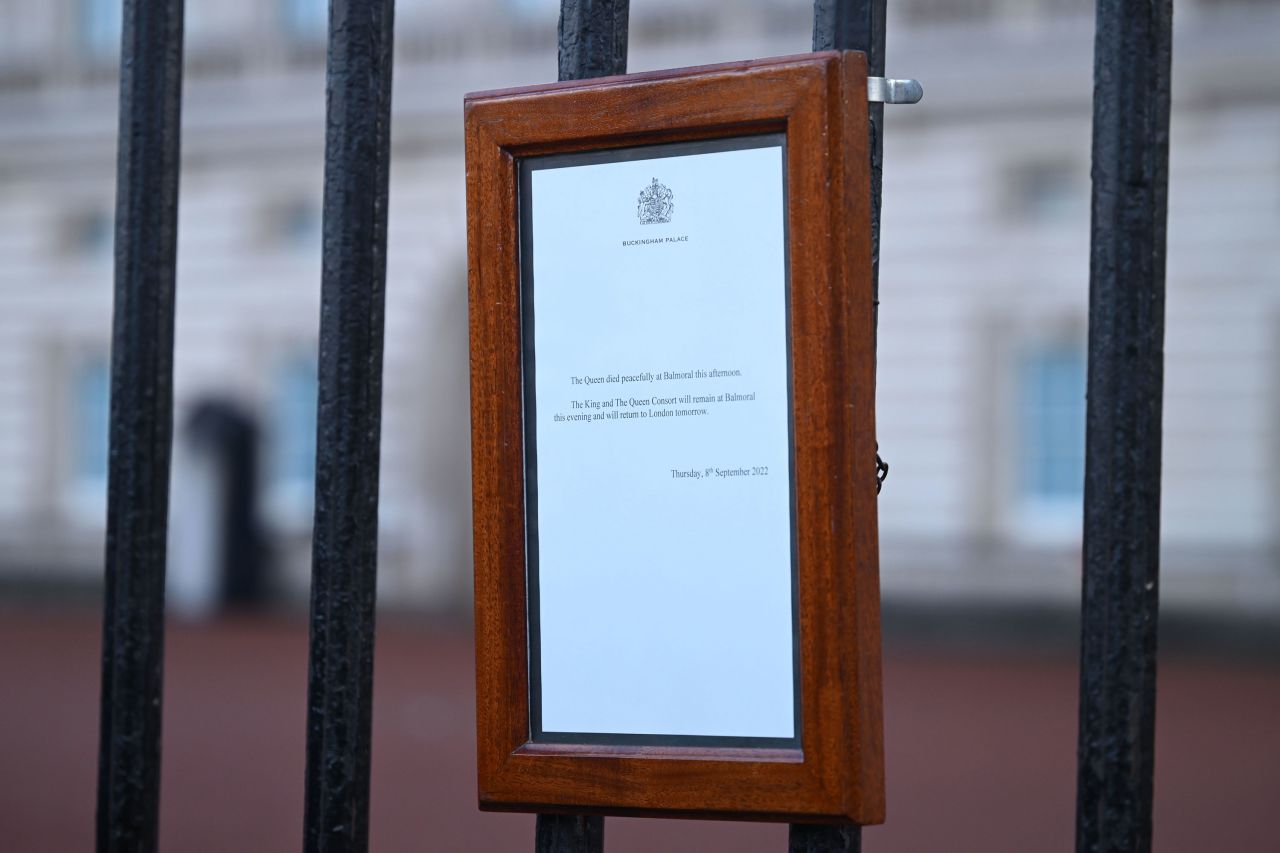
(886, 90)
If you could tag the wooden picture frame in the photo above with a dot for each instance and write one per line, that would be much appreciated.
(833, 771)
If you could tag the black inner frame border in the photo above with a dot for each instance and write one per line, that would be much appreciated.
(526, 166)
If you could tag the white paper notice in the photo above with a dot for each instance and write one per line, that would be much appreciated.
(663, 482)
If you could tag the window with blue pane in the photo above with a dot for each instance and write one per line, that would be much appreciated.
(90, 415)
(88, 233)
(100, 26)
(299, 224)
(307, 19)
(1048, 191)
(1051, 420)
(535, 8)
(294, 424)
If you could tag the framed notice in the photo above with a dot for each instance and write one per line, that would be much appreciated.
(677, 608)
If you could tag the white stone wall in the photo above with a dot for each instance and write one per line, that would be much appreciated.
(970, 274)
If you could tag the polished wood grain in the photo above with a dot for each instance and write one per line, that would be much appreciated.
(819, 100)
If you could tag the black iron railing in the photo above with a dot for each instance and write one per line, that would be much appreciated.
(141, 431)
(1122, 453)
(1122, 494)
(344, 558)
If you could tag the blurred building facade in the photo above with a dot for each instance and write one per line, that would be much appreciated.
(984, 281)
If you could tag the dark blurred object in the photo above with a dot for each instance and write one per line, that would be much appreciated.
(219, 556)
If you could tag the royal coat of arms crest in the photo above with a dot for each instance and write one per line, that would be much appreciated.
(655, 205)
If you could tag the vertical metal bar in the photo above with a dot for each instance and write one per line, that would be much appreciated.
(141, 425)
(806, 838)
(1126, 385)
(852, 25)
(593, 38)
(569, 834)
(592, 43)
(859, 25)
(344, 544)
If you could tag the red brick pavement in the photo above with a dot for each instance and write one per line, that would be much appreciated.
(980, 749)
